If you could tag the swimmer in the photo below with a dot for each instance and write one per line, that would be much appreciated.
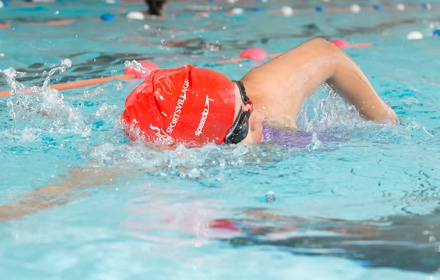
(195, 106)
(155, 7)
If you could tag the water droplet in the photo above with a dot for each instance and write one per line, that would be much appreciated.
(67, 63)
(270, 196)
(118, 86)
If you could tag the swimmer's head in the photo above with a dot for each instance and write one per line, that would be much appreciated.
(186, 105)
(155, 7)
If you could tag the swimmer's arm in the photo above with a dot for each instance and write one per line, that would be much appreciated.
(73, 187)
(59, 193)
(283, 84)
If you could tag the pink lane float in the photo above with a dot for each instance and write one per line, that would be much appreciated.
(254, 54)
(344, 44)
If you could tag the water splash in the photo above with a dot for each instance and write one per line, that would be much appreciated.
(42, 109)
(137, 66)
(64, 65)
(326, 110)
(11, 76)
(326, 113)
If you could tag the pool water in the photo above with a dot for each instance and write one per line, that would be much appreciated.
(358, 201)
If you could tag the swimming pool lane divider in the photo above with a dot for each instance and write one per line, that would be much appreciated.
(285, 10)
(133, 70)
(144, 67)
(77, 84)
(259, 54)
(136, 70)
(130, 72)
(288, 10)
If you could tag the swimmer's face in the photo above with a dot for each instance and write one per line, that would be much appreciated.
(255, 133)
(255, 125)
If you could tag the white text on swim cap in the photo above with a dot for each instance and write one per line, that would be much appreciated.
(205, 114)
(178, 109)
(162, 137)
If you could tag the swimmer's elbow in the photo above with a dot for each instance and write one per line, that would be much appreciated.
(388, 117)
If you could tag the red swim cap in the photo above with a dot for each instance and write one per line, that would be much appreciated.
(186, 105)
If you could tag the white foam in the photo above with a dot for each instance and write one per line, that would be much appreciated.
(287, 11)
(136, 15)
(355, 8)
(400, 7)
(237, 11)
(414, 35)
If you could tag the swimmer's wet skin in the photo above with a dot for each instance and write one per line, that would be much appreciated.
(196, 106)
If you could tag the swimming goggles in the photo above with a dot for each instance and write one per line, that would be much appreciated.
(240, 128)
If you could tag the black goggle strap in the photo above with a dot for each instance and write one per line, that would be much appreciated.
(238, 130)
(243, 94)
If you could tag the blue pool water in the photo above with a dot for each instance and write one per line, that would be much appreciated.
(358, 201)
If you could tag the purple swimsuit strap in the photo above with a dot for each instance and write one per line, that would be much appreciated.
(300, 138)
(287, 138)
